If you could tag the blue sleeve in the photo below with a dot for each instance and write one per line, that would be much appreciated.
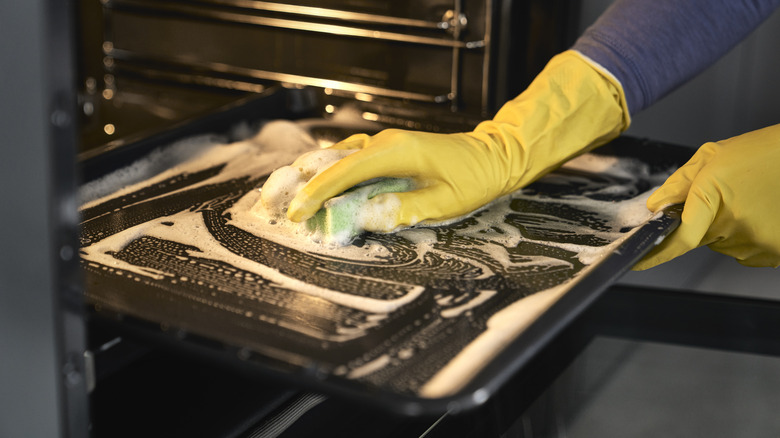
(653, 46)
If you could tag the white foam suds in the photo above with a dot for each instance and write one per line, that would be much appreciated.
(607, 165)
(284, 184)
(371, 367)
(190, 228)
(482, 297)
(246, 215)
(502, 328)
(256, 156)
(152, 164)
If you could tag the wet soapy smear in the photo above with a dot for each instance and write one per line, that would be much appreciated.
(276, 143)
(190, 228)
(385, 309)
(502, 329)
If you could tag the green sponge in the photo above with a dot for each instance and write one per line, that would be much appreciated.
(337, 221)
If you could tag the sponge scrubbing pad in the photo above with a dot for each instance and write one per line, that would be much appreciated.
(341, 219)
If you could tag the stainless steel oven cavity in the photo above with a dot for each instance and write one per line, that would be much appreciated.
(461, 57)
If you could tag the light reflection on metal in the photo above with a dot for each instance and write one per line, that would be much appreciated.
(302, 18)
(330, 109)
(334, 14)
(372, 117)
(292, 24)
(453, 20)
(455, 72)
(91, 85)
(487, 58)
(122, 55)
(198, 79)
(109, 128)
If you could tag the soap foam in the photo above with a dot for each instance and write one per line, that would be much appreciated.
(379, 213)
(284, 183)
(502, 328)
(152, 164)
(186, 227)
(256, 156)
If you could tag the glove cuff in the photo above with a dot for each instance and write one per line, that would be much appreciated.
(613, 80)
(570, 92)
(570, 108)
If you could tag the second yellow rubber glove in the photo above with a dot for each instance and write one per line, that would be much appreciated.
(731, 192)
(570, 107)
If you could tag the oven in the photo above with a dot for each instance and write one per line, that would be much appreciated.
(137, 360)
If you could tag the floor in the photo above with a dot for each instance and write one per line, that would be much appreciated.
(621, 388)
(671, 391)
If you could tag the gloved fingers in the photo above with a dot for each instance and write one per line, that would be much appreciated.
(363, 165)
(698, 214)
(753, 254)
(670, 248)
(675, 189)
(749, 242)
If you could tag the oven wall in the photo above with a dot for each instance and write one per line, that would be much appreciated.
(38, 226)
(28, 400)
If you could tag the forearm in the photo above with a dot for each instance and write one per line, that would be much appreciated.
(654, 46)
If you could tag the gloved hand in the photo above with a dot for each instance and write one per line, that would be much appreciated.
(731, 192)
(570, 107)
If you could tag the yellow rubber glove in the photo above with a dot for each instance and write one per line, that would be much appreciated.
(570, 107)
(731, 192)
